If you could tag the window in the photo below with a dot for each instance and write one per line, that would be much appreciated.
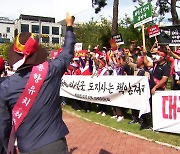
(35, 28)
(24, 28)
(55, 30)
(8, 29)
(45, 39)
(45, 29)
(55, 40)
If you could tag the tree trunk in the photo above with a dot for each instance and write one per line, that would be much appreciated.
(115, 18)
(174, 12)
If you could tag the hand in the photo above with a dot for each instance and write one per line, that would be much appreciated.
(168, 49)
(144, 52)
(153, 90)
(69, 19)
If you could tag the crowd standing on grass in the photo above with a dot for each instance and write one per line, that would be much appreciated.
(159, 65)
(162, 63)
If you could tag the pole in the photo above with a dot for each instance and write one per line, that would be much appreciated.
(156, 41)
(39, 31)
(143, 37)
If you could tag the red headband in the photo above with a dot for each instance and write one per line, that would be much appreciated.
(160, 53)
(30, 46)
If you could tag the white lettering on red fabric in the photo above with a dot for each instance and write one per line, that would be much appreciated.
(40, 67)
(26, 101)
(18, 114)
(37, 77)
(32, 90)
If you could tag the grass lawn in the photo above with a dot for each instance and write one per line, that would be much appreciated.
(169, 138)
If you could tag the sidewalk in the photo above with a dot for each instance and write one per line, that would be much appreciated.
(89, 138)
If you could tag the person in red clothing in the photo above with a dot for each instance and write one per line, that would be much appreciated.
(175, 68)
(75, 68)
(102, 70)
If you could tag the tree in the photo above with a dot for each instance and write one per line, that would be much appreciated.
(102, 3)
(4, 49)
(94, 33)
(99, 4)
(115, 17)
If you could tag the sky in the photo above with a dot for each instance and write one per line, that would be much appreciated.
(81, 9)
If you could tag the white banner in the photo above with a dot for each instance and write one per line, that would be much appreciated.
(166, 111)
(78, 46)
(123, 91)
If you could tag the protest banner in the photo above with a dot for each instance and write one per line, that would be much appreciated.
(169, 35)
(81, 53)
(153, 31)
(118, 38)
(166, 111)
(78, 46)
(141, 16)
(123, 91)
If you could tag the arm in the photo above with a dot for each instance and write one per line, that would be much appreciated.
(147, 63)
(161, 83)
(82, 62)
(132, 65)
(63, 60)
(174, 54)
(95, 59)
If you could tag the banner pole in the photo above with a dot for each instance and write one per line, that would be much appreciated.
(143, 37)
(156, 41)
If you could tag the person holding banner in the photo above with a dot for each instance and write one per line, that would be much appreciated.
(29, 99)
(102, 70)
(161, 69)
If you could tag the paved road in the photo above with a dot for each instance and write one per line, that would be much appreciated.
(89, 138)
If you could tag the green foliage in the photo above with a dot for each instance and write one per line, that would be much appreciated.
(94, 33)
(4, 49)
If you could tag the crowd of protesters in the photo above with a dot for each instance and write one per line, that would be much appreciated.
(160, 64)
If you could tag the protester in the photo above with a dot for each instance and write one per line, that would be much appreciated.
(161, 69)
(160, 73)
(117, 65)
(102, 70)
(2, 69)
(140, 70)
(2, 77)
(42, 130)
(175, 65)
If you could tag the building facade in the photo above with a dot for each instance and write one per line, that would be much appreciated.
(6, 30)
(45, 27)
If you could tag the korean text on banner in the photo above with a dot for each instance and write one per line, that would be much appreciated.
(166, 111)
(123, 91)
(142, 15)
